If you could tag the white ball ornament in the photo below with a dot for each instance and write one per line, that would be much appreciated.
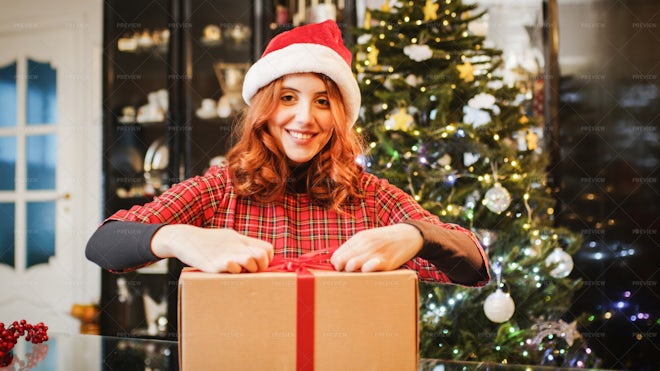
(497, 199)
(499, 306)
(562, 262)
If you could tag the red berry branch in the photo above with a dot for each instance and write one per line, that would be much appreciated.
(9, 337)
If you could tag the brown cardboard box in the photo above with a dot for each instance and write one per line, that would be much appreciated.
(362, 321)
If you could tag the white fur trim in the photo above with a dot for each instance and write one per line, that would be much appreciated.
(298, 58)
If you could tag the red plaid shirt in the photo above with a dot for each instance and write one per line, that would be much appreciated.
(294, 225)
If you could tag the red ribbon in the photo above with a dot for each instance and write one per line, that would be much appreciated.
(305, 299)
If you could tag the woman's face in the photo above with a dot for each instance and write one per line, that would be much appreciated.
(302, 123)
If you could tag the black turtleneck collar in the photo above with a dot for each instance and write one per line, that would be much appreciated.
(297, 182)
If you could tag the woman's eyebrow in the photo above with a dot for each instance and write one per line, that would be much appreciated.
(298, 91)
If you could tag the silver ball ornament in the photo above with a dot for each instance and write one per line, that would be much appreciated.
(497, 199)
(499, 306)
(562, 262)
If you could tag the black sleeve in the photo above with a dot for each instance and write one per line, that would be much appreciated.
(120, 246)
(452, 252)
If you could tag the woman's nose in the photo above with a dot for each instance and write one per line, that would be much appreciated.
(304, 112)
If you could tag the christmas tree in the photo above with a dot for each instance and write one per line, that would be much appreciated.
(443, 123)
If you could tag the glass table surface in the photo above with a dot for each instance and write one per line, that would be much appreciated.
(93, 352)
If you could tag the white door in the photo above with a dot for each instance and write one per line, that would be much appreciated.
(42, 173)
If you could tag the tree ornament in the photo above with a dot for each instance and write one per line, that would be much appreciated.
(430, 10)
(364, 39)
(475, 117)
(497, 199)
(532, 140)
(386, 6)
(568, 331)
(466, 71)
(483, 100)
(367, 19)
(417, 52)
(445, 160)
(562, 262)
(499, 306)
(413, 80)
(401, 120)
(470, 158)
(372, 55)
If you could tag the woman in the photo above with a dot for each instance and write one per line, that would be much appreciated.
(292, 186)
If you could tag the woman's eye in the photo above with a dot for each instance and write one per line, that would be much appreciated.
(323, 102)
(287, 97)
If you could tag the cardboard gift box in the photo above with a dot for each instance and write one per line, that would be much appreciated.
(250, 321)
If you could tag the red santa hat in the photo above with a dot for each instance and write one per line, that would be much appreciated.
(316, 47)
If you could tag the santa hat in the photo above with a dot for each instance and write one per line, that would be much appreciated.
(314, 47)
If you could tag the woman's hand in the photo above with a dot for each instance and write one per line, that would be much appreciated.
(378, 249)
(212, 250)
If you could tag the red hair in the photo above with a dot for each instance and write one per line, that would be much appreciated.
(259, 168)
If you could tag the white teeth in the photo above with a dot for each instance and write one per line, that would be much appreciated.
(298, 135)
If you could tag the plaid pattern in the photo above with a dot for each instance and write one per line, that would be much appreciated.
(294, 225)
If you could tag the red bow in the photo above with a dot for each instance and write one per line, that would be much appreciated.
(311, 260)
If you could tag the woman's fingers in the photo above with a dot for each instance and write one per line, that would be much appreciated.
(260, 251)
(372, 265)
(233, 267)
(378, 249)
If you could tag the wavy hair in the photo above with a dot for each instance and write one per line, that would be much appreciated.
(259, 168)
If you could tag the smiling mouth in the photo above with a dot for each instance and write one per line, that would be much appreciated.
(299, 135)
